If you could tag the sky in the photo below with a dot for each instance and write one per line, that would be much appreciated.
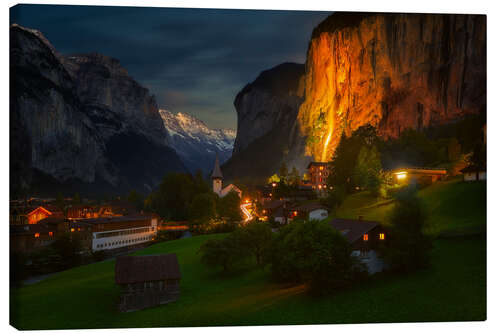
(193, 60)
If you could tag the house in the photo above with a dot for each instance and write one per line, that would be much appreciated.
(365, 238)
(302, 193)
(31, 215)
(82, 211)
(472, 173)
(147, 281)
(217, 181)
(309, 211)
(319, 172)
(418, 175)
(30, 237)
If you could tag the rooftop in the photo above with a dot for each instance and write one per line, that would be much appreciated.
(353, 229)
(132, 269)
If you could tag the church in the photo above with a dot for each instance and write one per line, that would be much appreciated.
(217, 181)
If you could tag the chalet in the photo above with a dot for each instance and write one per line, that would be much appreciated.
(82, 211)
(308, 211)
(319, 172)
(302, 193)
(365, 238)
(472, 173)
(418, 175)
(217, 182)
(147, 281)
(32, 237)
(31, 215)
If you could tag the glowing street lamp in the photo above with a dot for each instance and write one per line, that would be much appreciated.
(401, 175)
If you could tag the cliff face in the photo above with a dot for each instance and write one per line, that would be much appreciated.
(271, 101)
(267, 122)
(57, 136)
(81, 118)
(114, 101)
(393, 71)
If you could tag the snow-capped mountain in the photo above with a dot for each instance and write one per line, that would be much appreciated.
(195, 143)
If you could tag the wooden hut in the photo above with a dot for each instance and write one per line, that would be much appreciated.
(147, 281)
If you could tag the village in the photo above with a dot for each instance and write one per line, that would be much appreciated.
(117, 228)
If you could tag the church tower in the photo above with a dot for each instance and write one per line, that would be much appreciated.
(217, 176)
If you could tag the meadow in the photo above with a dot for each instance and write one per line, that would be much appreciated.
(453, 289)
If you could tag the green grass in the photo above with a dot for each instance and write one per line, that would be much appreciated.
(452, 207)
(454, 289)
(85, 297)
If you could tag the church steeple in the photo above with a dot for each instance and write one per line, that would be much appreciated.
(217, 176)
(216, 173)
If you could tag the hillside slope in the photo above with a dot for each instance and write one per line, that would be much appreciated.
(452, 207)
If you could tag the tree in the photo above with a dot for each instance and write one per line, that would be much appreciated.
(407, 248)
(228, 207)
(346, 156)
(136, 199)
(68, 247)
(313, 252)
(367, 173)
(257, 238)
(294, 178)
(226, 252)
(283, 173)
(202, 208)
(76, 199)
(173, 197)
(273, 179)
(454, 150)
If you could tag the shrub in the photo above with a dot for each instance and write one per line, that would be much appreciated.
(312, 252)
(226, 252)
(256, 237)
(407, 249)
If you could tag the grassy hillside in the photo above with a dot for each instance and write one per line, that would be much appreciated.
(85, 297)
(452, 207)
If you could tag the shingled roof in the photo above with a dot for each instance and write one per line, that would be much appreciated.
(132, 269)
(353, 229)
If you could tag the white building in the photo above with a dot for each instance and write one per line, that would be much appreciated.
(472, 173)
(217, 181)
(110, 233)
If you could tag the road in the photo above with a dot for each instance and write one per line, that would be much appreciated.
(245, 211)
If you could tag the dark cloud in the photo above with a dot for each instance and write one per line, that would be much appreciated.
(193, 60)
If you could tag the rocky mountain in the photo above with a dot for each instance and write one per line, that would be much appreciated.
(393, 71)
(195, 143)
(267, 122)
(80, 120)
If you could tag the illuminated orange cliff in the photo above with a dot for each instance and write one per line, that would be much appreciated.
(392, 71)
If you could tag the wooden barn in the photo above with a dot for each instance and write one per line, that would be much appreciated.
(147, 281)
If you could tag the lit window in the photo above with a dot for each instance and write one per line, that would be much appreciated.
(381, 236)
(72, 229)
(365, 237)
(37, 235)
(295, 213)
(321, 168)
(51, 233)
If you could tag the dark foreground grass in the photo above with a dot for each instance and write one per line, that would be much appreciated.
(454, 289)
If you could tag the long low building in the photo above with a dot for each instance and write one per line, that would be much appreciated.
(110, 233)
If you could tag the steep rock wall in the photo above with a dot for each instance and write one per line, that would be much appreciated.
(393, 71)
